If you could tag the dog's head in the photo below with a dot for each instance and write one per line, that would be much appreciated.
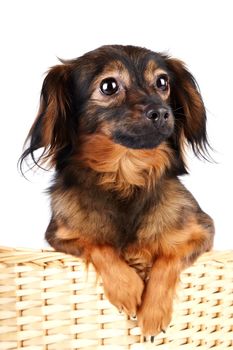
(129, 96)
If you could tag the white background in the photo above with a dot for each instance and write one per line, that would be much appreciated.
(34, 33)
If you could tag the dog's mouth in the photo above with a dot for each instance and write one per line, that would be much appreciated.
(142, 139)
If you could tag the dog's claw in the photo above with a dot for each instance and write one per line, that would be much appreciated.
(133, 317)
(152, 338)
(149, 338)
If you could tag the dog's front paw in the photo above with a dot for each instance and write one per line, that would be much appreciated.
(154, 318)
(125, 290)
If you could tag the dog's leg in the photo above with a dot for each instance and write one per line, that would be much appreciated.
(155, 313)
(122, 285)
(178, 250)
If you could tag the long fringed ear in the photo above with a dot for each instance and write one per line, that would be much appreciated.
(50, 131)
(188, 109)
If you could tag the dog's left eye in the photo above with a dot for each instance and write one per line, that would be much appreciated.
(109, 86)
(162, 83)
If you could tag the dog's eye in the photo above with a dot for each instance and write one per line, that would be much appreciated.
(109, 86)
(162, 83)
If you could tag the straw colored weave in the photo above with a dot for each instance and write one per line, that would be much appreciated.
(48, 302)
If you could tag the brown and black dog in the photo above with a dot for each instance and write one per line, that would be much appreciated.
(114, 124)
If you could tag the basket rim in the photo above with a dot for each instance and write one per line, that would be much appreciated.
(24, 255)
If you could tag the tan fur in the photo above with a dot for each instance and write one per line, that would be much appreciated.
(122, 168)
(122, 285)
(159, 291)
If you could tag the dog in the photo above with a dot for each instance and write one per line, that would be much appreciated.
(115, 124)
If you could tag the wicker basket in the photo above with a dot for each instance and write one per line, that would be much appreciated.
(48, 301)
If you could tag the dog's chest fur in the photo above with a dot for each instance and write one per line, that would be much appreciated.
(103, 216)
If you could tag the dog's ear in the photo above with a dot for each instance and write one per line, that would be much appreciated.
(188, 109)
(50, 130)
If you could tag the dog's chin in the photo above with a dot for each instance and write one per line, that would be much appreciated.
(149, 140)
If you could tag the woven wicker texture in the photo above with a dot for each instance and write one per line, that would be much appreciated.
(48, 301)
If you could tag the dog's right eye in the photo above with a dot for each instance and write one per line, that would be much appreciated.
(109, 86)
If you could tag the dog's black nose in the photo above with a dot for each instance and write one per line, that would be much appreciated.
(160, 114)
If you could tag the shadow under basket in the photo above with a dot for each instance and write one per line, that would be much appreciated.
(49, 301)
